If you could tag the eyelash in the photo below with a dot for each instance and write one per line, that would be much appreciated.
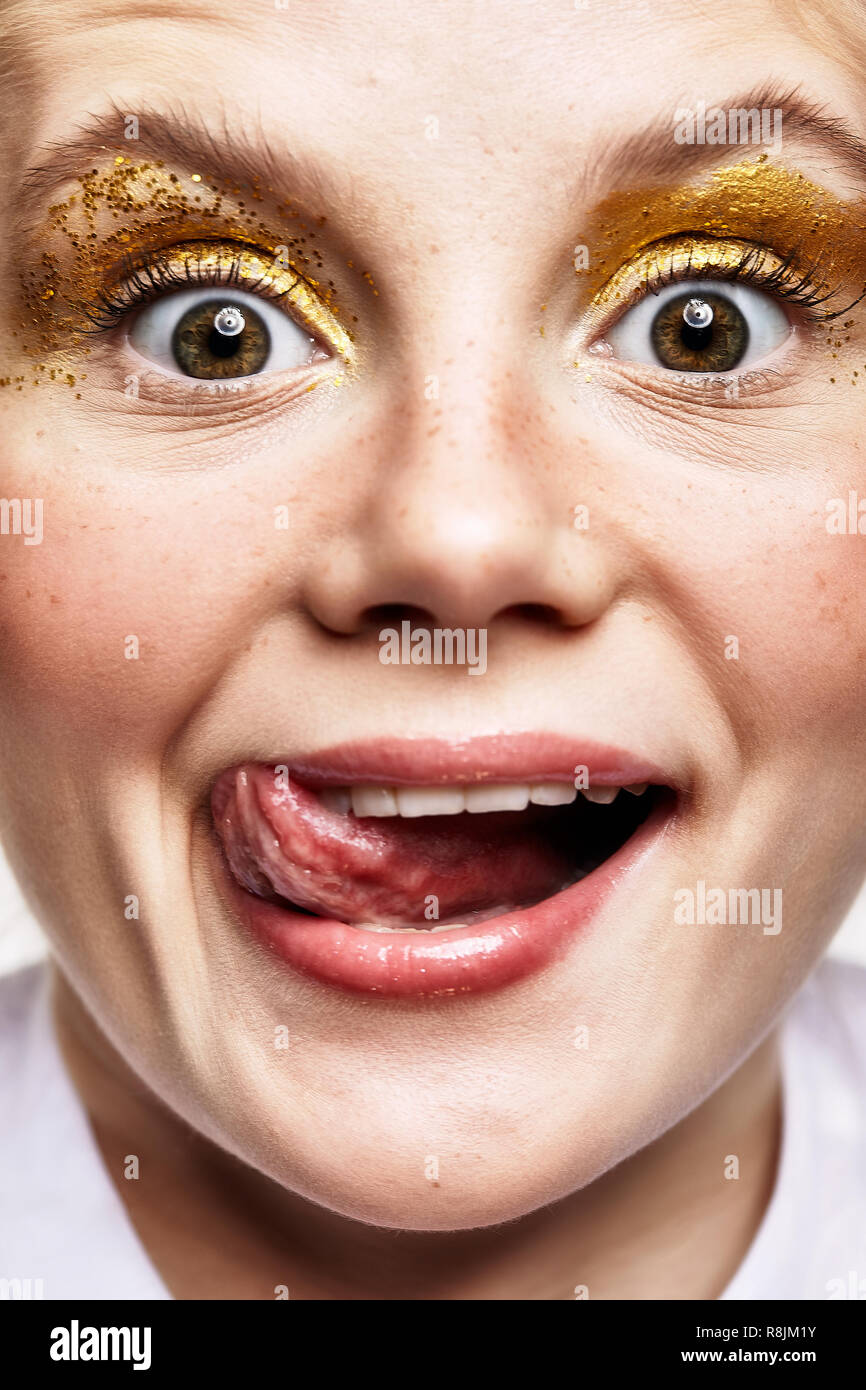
(150, 279)
(785, 280)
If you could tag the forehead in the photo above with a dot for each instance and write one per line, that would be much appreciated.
(439, 112)
(549, 71)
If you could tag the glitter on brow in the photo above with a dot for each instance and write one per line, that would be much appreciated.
(134, 206)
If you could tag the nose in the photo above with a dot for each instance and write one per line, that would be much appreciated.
(474, 513)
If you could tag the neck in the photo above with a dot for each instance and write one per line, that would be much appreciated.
(671, 1222)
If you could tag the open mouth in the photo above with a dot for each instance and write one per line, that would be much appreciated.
(414, 858)
(455, 881)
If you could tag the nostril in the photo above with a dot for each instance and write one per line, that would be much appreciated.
(536, 613)
(393, 614)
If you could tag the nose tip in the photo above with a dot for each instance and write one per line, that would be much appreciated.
(458, 567)
(466, 524)
(468, 574)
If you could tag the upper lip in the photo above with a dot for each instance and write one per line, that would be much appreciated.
(500, 757)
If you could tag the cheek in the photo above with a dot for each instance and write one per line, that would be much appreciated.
(772, 600)
(129, 609)
(803, 625)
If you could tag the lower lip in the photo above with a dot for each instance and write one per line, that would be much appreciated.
(468, 960)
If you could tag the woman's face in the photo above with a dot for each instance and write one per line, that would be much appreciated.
(474, 429)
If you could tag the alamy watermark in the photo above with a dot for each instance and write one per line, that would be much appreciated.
(846, 517)
(15, 1289)
(741, 125)
(436, 646)
(22, 516)
(717, 907)
(77, 1343)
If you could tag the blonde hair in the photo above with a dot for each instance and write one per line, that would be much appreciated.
(836, 28)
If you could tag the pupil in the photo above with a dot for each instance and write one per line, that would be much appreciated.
(221, 345)
(695, 339)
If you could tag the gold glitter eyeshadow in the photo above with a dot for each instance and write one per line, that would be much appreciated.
(121, 216)
(687, 257)
(752, 201)
(124, 215)
(210, 263)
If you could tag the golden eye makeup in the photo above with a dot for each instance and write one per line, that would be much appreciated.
(771, 208)
(133, 236)
(753, 224)
(176, 326)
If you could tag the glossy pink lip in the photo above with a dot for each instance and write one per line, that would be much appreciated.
(477, 958)
(488, 758)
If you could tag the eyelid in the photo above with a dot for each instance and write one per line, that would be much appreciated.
(693, 257)
(215, 263)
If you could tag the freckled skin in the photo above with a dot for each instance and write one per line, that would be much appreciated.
(706, 521)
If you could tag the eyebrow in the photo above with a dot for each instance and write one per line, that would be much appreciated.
(219, 148)
(652, 155)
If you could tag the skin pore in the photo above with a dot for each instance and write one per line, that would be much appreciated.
(430, 180)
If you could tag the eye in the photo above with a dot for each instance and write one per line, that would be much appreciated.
(213, 335)
(700, 326)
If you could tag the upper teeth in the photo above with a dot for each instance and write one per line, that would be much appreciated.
(449, 801)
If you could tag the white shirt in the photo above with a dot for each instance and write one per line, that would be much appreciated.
(62, 1222)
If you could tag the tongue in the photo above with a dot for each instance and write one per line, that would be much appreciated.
(392, 872)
